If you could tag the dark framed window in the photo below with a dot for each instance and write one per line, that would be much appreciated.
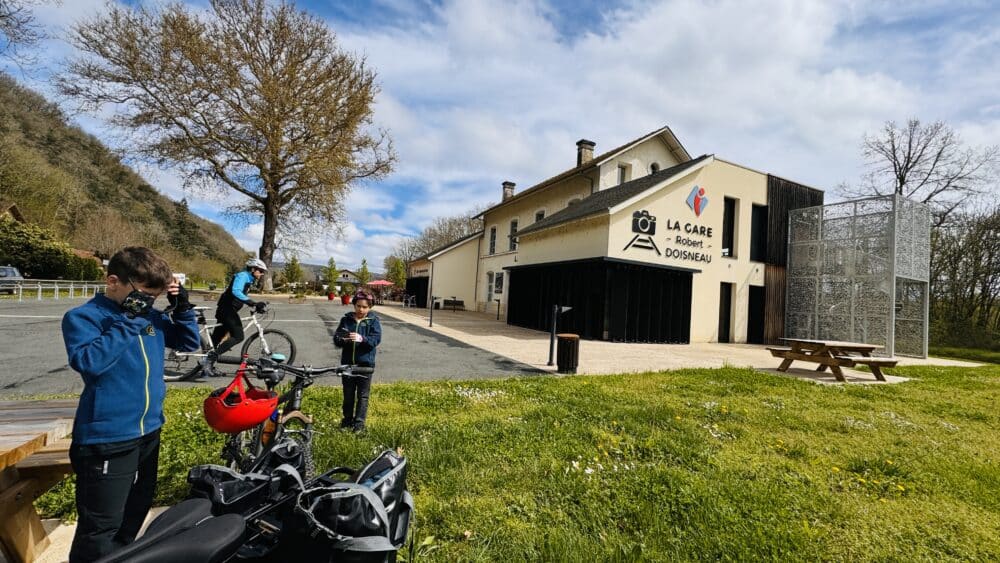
(758, 234)
(513, 235)
(498, 283)
(493, 240)
(729, 227)
(654, 168)
(539, 215)
(489, 285)
(622, 173)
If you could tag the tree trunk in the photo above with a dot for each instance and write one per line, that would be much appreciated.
(267, 241)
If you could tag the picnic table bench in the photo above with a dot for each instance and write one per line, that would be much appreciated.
(832, 354)
(34, 456)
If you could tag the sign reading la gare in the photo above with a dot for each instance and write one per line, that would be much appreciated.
(684, 241)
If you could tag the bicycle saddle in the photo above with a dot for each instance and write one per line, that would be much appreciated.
(211, 540)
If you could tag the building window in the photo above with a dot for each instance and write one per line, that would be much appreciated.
(758, 234)
(489, 285)
(622, 173)
(654, 168)
(729, 227)
(493, 240)
(498, 283)
(513, 235)
(539, 215)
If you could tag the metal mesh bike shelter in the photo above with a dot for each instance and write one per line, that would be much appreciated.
(858, 271)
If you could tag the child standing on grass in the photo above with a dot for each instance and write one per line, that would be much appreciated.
(116, 342)
(358, 334)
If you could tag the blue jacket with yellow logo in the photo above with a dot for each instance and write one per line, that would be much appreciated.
(121, 361)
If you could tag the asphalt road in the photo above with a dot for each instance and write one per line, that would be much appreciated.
(33, 359)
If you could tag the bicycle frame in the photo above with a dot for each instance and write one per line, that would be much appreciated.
(205, 332)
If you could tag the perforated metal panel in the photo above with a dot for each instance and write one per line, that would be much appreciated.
(858, 271)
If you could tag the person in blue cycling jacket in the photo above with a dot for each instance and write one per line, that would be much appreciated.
(358, 334)
(229, 333)
(116, 343)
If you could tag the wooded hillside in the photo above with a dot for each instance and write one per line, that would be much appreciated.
(66, 180)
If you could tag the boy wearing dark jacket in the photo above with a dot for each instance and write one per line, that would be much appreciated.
(358, 334)
(116, 342)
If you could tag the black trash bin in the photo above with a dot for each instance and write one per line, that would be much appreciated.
(567, 353)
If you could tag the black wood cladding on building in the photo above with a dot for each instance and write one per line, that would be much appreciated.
(782, 197)
(774, 303)
(610, 300)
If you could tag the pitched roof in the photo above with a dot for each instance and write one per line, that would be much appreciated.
(606, 199)
(448, 246)
(594, 163)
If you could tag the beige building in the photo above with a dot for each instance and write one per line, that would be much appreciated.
(644, 242)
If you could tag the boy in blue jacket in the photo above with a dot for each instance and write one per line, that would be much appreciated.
(116, 342)
(358, 334)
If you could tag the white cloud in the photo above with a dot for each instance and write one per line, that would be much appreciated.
(475, 92)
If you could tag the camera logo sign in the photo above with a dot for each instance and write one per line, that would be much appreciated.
(644, 227)
(697, 200)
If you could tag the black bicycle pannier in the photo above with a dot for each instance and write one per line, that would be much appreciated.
(364, 519)
(229, 490)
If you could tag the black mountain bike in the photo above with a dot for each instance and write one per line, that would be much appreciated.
(261, 342)
(245, 451)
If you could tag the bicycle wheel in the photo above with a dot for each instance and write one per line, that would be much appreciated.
(240, 450)
(277, 342)
(179, 366)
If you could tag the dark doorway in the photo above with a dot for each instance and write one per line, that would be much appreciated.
(725, 312)
(755, 315)
(418, 287)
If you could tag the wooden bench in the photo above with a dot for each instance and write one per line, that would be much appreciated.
(453, 303)
(778, 351)
(875, 364)
(25, 481)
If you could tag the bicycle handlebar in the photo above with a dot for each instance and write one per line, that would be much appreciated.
(262, 365)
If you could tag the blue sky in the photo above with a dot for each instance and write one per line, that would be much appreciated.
(476, 92)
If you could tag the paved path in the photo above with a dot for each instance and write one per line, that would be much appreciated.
(531, 347)
(34, 359)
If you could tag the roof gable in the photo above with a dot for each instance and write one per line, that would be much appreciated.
(610, 198)
(596, 162)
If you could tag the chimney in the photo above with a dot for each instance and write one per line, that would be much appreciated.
(508, 190)
(584, 151)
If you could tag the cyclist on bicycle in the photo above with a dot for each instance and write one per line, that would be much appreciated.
(358, 334)
(227, 311)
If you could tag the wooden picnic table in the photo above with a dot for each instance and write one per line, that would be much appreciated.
(832, 354)
(34, 456)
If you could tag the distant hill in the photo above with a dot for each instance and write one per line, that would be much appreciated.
(65, 179)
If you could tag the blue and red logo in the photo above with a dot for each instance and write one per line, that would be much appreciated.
(697, 200)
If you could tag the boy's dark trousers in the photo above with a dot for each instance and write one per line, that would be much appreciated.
(356, 388)
(115, 484)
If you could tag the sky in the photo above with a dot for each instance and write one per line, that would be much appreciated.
(477, 92)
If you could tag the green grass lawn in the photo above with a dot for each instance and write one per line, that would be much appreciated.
(688, 465)
(972, 354)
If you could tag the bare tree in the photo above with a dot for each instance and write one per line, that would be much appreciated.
(441, 232)
(925, 163)
(255, 99)
(18, 28)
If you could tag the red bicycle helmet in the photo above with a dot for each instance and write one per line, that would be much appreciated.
(235, 408)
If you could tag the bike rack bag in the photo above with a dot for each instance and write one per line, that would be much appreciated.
(364, 519)
(227, 489)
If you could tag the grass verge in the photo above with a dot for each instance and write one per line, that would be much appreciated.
(972, 354)
(705, 464)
